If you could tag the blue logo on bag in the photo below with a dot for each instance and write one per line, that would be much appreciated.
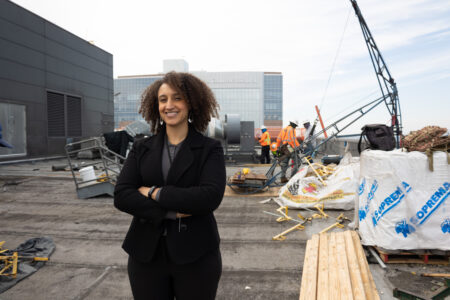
(361, 186)
(445, 226)
(370, 195)
(404, 228)
(438, 197)
(436, 200)
(390, 202)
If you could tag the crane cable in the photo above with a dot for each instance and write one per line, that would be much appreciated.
(331, 73)
(335, 59)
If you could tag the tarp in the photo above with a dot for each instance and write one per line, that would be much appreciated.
(40, 247)
(402, 204)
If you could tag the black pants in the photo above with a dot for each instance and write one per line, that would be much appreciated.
(265, 154)
(162, 279)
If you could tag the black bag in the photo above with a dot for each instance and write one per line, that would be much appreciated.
(378, 136)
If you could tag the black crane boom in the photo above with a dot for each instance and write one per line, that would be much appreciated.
(386, 82)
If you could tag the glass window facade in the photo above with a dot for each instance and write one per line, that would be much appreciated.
(273, 96)
(237, 93)
(127, 98)
(255, 96)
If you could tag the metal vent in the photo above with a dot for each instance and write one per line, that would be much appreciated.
(55, 114)
(73, 116)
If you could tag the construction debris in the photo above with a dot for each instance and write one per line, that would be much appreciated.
(426, 138)
(23, 261)
(332, 186)
(283, 216)
(408, 285)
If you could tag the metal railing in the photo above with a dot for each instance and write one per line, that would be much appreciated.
(110, 161)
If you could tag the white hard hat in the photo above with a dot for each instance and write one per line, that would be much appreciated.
(306, 121)
(294, 122)
(263, 127)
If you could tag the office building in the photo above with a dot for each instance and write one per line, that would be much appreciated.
(255, 96)
(178, 65)
(54, 86)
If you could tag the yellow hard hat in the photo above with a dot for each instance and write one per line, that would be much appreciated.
(245, 171)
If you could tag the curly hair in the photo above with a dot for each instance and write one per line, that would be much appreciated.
(200, 98)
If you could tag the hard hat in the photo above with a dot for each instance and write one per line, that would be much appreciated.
(245, 171)
(306, 121)
(295, 122)
(263, 127)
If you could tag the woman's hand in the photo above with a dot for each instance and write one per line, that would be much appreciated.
(180, 215)
(144, 191)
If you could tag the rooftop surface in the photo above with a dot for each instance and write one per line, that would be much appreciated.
(89, 263)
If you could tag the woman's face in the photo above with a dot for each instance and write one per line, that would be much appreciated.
(173, 108)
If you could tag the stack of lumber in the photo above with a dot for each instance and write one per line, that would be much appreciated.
(336, 267)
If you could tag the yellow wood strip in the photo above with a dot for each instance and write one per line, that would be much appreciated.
(322, 283)
(366, 276)
(309, 275)
(353, 267)
(344, 275)
(334, 291)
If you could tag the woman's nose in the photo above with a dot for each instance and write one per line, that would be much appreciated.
(170, 103)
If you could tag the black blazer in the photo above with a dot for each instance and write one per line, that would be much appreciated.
(195, 185)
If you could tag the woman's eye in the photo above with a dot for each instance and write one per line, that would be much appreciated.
(163, 100)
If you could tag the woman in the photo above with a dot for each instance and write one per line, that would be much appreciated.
(171, 183)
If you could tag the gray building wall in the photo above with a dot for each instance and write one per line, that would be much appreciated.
(37, 57)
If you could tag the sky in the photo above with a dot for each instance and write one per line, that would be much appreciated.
(317, 45)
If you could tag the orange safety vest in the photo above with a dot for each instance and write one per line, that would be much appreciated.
(265, 139)
(287, 136)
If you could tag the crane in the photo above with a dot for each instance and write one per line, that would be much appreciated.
(389, 96)
(385, 81)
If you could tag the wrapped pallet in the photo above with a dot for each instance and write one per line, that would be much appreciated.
(402, 203)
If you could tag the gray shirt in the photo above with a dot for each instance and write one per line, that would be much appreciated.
(169, 153)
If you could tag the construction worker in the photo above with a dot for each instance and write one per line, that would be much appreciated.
(273, 149)
(288, 141)
(310, 142)
(264, 141)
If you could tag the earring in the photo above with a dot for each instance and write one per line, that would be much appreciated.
(190, 118)
(161, 122)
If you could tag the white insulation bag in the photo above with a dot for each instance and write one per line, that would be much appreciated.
(402, 204)
(339, 191)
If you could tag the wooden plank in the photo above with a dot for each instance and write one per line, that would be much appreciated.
(255, 176)
(272, 192)
(353, 267)
(367, 279)
(322, 282)
(344, 275)
(308, 289)
(334, 290)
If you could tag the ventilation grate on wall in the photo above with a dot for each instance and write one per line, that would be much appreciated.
(55, 113)
(73, 116)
